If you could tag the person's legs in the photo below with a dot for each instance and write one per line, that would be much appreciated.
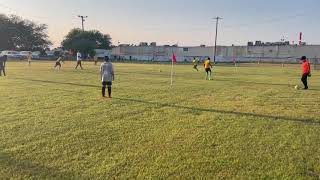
(109, 88)
(4, 71)
(304, 80)
(77, 65)
(209, 72)
(109, 91)
(80, 63)
(104, 89)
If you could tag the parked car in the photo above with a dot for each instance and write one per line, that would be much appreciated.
(36, 55)
(12, 54)
(25, 54)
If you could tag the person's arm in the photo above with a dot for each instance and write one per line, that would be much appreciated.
(101, 71)
(309, 68)
(112, 73)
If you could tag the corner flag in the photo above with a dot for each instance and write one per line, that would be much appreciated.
(174, 60)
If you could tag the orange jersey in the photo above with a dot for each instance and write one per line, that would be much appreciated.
(306, 67)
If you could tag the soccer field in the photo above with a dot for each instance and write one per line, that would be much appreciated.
(248, 122)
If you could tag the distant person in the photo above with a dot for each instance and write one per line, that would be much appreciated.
(107, 76)
(3, 60)
(58, 63)
(79, 60)
(95, 59)
(29, 58)
(195, 63)
(207, 66)
(306, 72)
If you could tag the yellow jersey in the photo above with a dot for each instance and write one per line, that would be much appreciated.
(207, 64)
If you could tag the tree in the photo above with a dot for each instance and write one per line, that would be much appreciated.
(86, 41)
(19, 34)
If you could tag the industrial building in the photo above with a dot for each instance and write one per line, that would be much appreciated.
(269, 52)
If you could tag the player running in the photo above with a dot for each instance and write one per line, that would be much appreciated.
(306, 71)
(107, 76)
(58, 63)
(29, 58)
(3, 60)
(79, 60)
(207, 66)
(95, 59)
(195, 63)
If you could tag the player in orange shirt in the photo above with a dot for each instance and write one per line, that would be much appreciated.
(306, 71)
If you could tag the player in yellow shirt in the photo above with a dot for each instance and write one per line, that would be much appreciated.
(207, 66)
(195, 63)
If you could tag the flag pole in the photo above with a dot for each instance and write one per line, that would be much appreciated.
(172, 75)
(172, 71)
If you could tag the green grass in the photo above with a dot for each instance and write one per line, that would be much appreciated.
(248, 122)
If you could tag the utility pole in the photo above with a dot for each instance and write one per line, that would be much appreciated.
(215, 43)
(83, 20)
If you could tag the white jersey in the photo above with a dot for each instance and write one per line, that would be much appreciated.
(107, 72)
(79, 56)
(29, 57)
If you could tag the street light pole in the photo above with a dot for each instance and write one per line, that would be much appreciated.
(216, 37)
(82, 20)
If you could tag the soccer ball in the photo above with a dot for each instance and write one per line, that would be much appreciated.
(296, 87)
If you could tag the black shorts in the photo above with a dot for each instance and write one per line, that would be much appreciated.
(208, 70)
(58, 64)
(195, 66)
(104, 84)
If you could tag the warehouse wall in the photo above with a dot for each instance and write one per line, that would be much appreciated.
(224, 53)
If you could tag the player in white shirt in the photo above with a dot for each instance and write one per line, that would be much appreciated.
(79, 60)
(107, 76)
(29, 58)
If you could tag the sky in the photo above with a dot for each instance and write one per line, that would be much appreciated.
(183, 22)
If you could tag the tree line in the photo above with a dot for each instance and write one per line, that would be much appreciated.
(21, 34)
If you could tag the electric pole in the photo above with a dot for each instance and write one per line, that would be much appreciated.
(215, 43)
(83, 20)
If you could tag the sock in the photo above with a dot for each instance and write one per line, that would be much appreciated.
(103, 92)
(109, 91)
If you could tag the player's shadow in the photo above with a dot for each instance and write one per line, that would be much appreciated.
(250, 82)
(62, 83)
(261, 83)
(274, 118)
(26, 168)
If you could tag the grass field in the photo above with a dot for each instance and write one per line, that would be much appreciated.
(248, 122)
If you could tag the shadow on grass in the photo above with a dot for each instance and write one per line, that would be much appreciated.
(275, 118)
(262, 83)
(24, 168)
(278, 118)
(256, 83)
(62, 83)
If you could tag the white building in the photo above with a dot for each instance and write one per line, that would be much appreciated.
(279, 53)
